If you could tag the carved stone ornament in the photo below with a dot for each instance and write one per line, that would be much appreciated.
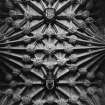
(52, 52)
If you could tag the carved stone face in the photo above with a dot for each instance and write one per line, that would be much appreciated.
(50, 84)
(49, 13)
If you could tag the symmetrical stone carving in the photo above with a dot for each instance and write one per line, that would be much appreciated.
(50, 54)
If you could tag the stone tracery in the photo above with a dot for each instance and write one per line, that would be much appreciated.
(50, 53)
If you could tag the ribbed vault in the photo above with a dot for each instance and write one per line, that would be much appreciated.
(52, 52)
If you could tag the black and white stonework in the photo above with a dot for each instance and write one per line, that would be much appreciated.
(52, 52)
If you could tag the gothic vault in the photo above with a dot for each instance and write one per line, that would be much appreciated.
(52, 52)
